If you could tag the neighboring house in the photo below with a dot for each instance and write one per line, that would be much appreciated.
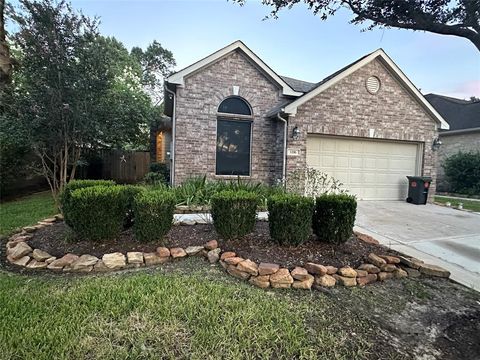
(464, 135)
(366, 124)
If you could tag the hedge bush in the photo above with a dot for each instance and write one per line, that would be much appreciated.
(73, 185)
(334, 217)
(290, 218)
(129, 192)
(234, 213)
(97, 212)
(463, 172)
(153, 212)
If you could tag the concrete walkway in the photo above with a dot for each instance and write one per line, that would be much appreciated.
(440, 235)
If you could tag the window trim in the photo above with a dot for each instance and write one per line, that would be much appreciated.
(234, 114)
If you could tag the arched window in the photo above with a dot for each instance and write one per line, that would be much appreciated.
(234, 130)
(235, 105)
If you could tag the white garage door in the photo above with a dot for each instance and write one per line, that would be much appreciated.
(372, 170)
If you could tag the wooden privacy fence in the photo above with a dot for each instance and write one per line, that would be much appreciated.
(123, 166)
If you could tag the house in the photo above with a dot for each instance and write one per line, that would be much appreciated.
(463, 116)
(366, 125)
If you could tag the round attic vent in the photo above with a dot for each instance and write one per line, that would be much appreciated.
(373, 84)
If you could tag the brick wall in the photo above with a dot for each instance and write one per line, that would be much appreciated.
(452, 144)
(196, 117)
(348, 109)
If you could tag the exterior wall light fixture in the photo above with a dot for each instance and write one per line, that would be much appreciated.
(296, 133)
(436, 144)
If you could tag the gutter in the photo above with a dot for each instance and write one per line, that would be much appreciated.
(458, 132)
(172, 156)
(285, 128)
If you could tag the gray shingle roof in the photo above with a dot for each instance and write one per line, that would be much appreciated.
(298, 85)
(460, 114)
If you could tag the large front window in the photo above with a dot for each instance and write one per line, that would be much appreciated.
(233, 138)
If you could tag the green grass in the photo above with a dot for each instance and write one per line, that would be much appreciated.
(467, 204)
(25, 211)
(188, 314)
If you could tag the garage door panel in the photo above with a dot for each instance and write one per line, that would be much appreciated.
(372, 170)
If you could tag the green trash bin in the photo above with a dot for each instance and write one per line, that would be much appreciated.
(418, 189)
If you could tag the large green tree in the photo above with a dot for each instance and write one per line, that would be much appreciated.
(446, 17)
(74, 89)
(6, 61)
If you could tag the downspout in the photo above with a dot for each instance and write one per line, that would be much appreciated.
(285, 129)
(172, 155)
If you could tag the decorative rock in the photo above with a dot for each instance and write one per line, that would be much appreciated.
(376, 260)
(34, 264)
(19, 250)
(325, 281)
(212, 244)
(29, 229)
(370, 268)
(59, 217)
(281, 279)
(390, 259)
(361, 273)
(84, 261)
(223, 264)
(306, 283)
(411, 262)
(400, 273)
(177, 252)
(49, 220)
(370, 278)
(227, 254)
(382, 276)
(85, 269)
(114, 260)
(300, 273)
(316, 269)
(366, 238)
(388, 268)
(346, 281)
(163, 251)
(50, 260)
(347, 271)
(65, 260)
(434, 270)
(100, 266)
(267, 268)
(213, 255)
(262, 281)
(154, 259)
(19, 238)
(23, 261)
(193, 250)
(135, 257)
(233, 260)
(232, 270)
(413, 273)
(248, 266)
(41, 255)
(331, 269)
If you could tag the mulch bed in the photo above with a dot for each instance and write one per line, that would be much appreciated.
(58, 240)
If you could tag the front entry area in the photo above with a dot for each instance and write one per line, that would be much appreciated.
(369, 169)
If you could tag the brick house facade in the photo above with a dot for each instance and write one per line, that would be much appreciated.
(341, 106)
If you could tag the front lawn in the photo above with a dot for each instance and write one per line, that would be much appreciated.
(467, 204)
(25, 211)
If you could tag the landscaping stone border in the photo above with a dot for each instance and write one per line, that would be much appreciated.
(376, 268)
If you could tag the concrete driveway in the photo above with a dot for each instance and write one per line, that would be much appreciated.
(443, 236)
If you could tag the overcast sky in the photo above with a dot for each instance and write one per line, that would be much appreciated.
(298, 44)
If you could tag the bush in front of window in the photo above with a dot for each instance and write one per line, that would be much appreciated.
(290, 218)
(334, 217)
(153, 212)
(97, 212)
(234, 213)
(73, 185)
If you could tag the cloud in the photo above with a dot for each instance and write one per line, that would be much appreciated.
(464, 90)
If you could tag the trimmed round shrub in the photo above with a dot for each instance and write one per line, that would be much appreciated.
(234, 213)
(290, 218)
(153, 212)
(334, 217)
(73, 185)
(97, 212)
